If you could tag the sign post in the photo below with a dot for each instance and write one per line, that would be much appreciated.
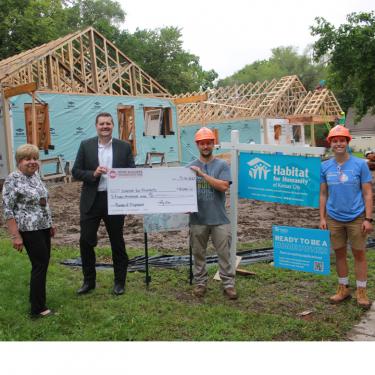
(235, 147)
(163, 196)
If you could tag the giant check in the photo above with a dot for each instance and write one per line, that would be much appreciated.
(151, 190)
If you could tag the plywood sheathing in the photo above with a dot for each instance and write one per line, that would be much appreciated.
(81, 62)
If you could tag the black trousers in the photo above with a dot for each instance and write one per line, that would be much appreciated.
(114, 224)
(38, 247)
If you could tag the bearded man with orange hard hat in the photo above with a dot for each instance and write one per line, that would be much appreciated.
(211, 220)
(346, 205)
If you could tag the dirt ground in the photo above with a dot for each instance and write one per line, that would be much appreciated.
(255, 220)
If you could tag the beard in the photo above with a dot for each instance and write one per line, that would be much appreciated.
(206, 153)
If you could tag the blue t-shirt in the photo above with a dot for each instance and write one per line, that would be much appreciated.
(345, 200)
(211, 202)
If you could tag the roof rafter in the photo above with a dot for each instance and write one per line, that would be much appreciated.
(81, 62)
(277, 98)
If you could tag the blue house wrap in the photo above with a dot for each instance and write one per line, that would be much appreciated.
(72, 119)
(249, 130)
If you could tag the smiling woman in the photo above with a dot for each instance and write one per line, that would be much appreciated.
(346, 205)
(29, 221)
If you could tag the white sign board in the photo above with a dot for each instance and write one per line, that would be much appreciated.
(151, 190)
(3, 150)
(165, 222)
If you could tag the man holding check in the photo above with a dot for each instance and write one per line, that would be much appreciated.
(213, 180)
(95, 157)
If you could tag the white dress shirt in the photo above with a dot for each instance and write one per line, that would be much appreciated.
(105, 157)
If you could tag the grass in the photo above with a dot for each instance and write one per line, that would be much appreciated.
(359, 155)
(267, 309)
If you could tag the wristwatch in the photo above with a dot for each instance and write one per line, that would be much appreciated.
(369, 219)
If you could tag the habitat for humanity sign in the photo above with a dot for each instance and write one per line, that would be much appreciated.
(280, 178)
(301, 249)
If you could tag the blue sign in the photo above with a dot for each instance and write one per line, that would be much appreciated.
(280, 178)
(301, 249)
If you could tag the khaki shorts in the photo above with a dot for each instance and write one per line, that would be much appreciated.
(341, 232)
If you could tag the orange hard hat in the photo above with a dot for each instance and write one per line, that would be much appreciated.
(203, 134)
(339, 131)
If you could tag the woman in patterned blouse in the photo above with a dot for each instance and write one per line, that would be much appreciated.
(29, 221)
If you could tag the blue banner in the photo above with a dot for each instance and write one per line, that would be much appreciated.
(279, 178)
(301, 249)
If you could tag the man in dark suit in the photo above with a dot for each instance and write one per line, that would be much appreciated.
(95, 157)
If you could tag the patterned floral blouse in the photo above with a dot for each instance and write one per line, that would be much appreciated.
(25, 198)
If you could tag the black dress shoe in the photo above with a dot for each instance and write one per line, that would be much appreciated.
(85, 288)
(118, 289)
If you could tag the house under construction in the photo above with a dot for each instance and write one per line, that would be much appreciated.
(272, 112)
(51, 94)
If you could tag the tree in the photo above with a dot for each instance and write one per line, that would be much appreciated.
(29, 23)
(349, 51)
(159, 52)
(283, 62)
(105, 16)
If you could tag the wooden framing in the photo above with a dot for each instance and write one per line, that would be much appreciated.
(126, 122)
(21, 89)
(81, 62)
(38, 134)
(8, 131)
(284, 98)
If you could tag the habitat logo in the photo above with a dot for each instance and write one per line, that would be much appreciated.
(259, 169)
(279, 178)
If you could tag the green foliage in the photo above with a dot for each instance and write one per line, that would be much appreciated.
(283, 62)
(267, 308)
(29, 23)
(350, 51)
(105, 16)
(159, 52)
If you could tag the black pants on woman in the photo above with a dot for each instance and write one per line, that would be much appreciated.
(38, 247)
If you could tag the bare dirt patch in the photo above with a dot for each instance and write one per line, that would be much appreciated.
(255, 220)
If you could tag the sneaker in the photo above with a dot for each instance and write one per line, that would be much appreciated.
(362, 299)
(343, 293)
(230, 293)
(199, 291)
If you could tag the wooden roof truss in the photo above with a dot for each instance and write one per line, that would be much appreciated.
(82, 62)
(273, 99)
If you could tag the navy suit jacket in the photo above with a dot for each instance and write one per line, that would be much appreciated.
(87, 161)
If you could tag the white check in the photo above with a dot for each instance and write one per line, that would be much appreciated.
(151, 190)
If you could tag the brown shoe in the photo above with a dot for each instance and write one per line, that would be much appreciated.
(230, 293)
(362, 299)
(343, 293)
(199, 291)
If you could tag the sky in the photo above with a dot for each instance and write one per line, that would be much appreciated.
(228, 35)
